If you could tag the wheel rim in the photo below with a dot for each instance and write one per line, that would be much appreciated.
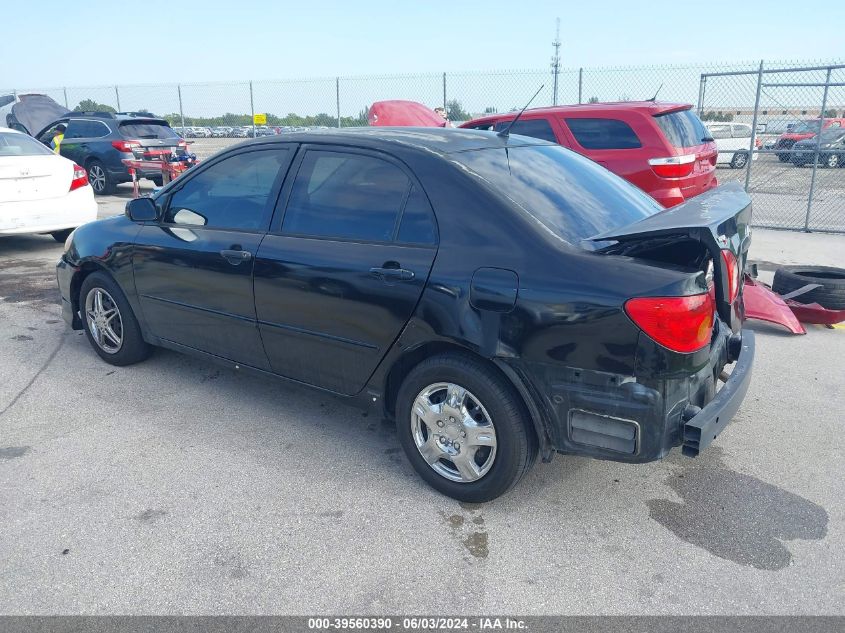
(453, 432)
(740, 160)
(832, 160)
(97, 177)
(104, 321)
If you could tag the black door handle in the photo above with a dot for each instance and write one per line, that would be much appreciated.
(235, 257)
(392, 272)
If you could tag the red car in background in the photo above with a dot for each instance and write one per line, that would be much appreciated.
(662, 148)
(803, 130)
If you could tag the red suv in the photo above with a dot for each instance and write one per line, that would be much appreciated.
(663, 148)
(801, 131)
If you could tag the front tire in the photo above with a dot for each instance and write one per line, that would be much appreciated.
(109, 323)
(831, 161)
(61, 236)
(464, 428)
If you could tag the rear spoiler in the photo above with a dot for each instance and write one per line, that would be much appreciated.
(719, 219)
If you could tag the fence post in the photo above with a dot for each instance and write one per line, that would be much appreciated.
(701, 87)
(752, 145)
(117, 98)
(65, 91)
(580, 83)
(337, 98)
(252, 108)
(181, 114)
(816, 153)
(444, 92)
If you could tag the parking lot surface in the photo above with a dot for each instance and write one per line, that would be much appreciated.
(175, 486)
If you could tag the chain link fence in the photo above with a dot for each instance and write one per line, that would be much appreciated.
(748, 110)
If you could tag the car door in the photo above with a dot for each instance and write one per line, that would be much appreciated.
(193, 268)
(342, 270)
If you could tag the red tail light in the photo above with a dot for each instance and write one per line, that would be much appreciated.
(125, 146)
(80, 178)
(673, 166)
(732, 273)
(682, 324)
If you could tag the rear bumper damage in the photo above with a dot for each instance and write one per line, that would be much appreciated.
(635, 419)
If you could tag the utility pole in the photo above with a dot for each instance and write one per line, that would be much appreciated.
(556, 61)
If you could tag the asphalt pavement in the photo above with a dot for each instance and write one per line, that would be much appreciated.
(175, 486)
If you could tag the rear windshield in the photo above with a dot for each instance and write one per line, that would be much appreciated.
(12, 144)
(147, 129)
(683, 128)
(571, 195)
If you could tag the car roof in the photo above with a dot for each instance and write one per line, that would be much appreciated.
(651, 108)
(431, 139)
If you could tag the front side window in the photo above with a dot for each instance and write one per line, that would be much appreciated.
(347, 196)
(742, 131)
(231, 194)
(603, 134)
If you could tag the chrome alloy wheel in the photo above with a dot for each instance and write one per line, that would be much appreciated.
(104, 321)
(97, 178)
(453, 432)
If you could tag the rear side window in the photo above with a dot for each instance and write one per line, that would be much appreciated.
(682, 128)
(348, 196)
(81, 128)
(603, 134)
(12, 144)
(417, 224)
(147, 129)
(536, 128)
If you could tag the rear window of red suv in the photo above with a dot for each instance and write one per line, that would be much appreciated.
(603, 134)
(683, 128)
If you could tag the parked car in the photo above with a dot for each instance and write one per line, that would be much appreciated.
(663, 148)
(732, 142)
(803, 130)
(99, 141)
(501, 296)
(221, 132)
(241, 132)
(40, 192)
(831, 150)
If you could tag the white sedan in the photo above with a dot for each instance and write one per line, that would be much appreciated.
(41, 192)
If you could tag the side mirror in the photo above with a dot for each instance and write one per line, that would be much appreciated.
(141, 210)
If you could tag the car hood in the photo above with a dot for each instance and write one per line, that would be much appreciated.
(35, 112)
(403, 114)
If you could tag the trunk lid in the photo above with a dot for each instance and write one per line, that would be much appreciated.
(27, 178)
(718, 219)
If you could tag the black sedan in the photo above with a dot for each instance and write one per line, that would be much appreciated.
(498, 297)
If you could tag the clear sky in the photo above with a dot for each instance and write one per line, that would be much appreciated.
(56, 43)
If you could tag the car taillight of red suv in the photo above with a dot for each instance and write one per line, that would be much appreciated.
(663, 148)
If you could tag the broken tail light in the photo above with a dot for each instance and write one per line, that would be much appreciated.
(732, 274)
(681, 324)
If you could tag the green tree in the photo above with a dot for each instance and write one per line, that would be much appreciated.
(490, 110)
(89, 105)
(593, 99)
(830, 113)
(455, 111)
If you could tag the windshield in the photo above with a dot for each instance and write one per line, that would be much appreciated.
(570, 195)
(147, 129)
(12, 144)
(806, 127)
(828, 136)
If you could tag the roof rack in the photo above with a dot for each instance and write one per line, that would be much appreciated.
(105, 115)
(148, 115)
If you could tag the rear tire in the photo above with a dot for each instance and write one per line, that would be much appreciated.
(831, 161)
(831, 295)
(109, 323)
(486, 415)
(739, 160)
(99, 179)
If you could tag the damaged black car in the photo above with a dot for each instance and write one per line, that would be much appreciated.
(499, 297)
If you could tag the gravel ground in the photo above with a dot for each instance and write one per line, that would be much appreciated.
(175, 486)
